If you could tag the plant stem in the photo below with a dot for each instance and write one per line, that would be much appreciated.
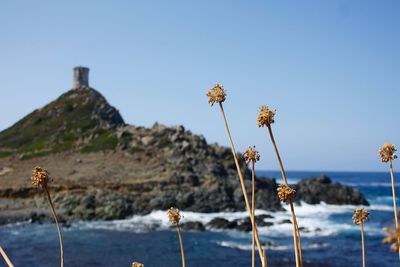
(362, 244)
(296, 232)
(396, 220)
(295, 235)
(271, 135)
(264, 259)
(253, 205)
(246, 200)
(57, 224)
(299, 242)
(7, 260)
(181, 244)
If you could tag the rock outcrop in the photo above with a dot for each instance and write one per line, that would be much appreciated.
(321, 189)
(102, 168)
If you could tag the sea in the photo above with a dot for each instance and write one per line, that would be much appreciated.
(331, 239)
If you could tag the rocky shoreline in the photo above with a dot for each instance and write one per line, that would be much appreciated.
(120, 201)
(104, 169)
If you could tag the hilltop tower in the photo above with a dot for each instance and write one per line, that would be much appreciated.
(81, 77)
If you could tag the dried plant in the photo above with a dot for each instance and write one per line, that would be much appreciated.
(359, 218)
(387, 154)
(137, 264)
(252, 155)
(40, 178)
(217, 95)
(286, 194)
(393, 237)
(265, 116)
(174, 217)
(5, 257)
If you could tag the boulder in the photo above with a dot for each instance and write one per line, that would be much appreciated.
(194, 226)
(322, 189)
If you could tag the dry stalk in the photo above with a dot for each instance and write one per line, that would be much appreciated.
(296, 232)
(252, 155)
(264, 259)
(6, 258)
(388, 153)
(396, 220)
(246, 199)
(359, 218)
(57, 224)
(363, 244)
(181, 244)
(253, 201)
(40, 178)
(174, 217)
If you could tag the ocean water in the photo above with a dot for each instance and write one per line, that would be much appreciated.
(331, 239)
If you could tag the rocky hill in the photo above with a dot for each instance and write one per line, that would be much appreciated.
(105, 169)
(79, 120)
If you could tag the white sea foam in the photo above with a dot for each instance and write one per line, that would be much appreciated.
(247, 246)
(314, 219)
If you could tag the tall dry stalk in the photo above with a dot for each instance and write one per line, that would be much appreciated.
(40, 179)
(285, 193)
(217, 95)
(359, 218)
(363, 244)
(387, 154)
(6, 258)
(253, 220)
(174, 217)
(252, 155)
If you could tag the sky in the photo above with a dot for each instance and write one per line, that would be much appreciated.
(329, 68)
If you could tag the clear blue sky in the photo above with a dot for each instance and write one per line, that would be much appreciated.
(330, 68)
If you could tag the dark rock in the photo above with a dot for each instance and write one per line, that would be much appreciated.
(39, 218)
(264, 216)
(221, 223)
(321, 189)
(285, 221)
(267, 224)
(304, 229)
(196, 226)
(245, 224)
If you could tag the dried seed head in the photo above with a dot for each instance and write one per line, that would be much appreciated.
(395, 246)
(265, 116)
(393, 237)
(216, 95)
(40, 177)
(251, 154)
(174, 216)
(137, 264)
(360, 216)
(387, 152)
(286, 194)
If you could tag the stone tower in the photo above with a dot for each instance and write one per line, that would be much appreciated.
(81, 77)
